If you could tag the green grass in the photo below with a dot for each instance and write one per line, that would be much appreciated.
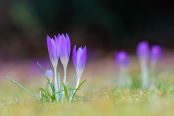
(100, 96)
(135, 102)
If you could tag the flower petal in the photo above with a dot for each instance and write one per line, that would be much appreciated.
(74, 57)
(57, 42)
(122, 59)
(52, 51)
(64, 52)
(81, 59)
(49, 74)
(143, 50)
(68, 44)
(155, 52)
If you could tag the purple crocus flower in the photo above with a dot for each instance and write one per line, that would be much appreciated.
(122, 58)
(155, 53)
(143, 50)
(52, 51)
(79, 60)
(143, 55)
(65, 48)
(123, 61)
(49, 74)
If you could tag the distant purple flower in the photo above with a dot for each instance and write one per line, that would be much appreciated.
(122, 58)
(155, 52)
(79, 59)
(143, 50)
(49, 74)
(65, 48)
(52, 51)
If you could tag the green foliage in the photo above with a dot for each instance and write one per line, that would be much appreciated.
(22, 88)
(47, 97)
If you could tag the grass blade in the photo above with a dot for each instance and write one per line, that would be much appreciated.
(41, 67)
(46, 76)
(46, 90)
(52, 87)
(77, 89)
(66, 92)
(44, 72)
(66, 84)
(42, 89)
(63, 90)
(59, 86)
(22, 88)
(114, 89)
(72, 86)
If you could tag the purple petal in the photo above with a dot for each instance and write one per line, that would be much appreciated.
(63, 47)
(52, 51)
(74, 57)
(68, 43)
(81, 59)
(58, 35)
(57, 42)
(143, 50)
(49, 74)
(122, 58)
(64, 52)
(155, 52)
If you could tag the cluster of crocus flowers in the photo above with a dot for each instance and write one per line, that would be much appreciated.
(144, 53)
(62, 47)
(123, 61)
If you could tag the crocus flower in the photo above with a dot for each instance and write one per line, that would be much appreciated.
(143, 50)
(122, 59)
(65, 48)
(49, 74)
(155, 53)
(79, 60)
(143, 55)
(52, 51)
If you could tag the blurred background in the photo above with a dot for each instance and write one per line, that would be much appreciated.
(101, 25)
(104, 26)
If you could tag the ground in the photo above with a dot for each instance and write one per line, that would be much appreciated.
(98, 97)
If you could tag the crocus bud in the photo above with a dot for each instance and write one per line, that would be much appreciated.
(143, 50)
(155, 53)
(65, 48)
(122, 59)
(52, 51)
(79, 60)
(49, 74)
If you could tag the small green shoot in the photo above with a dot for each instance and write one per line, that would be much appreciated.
(22, 88)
